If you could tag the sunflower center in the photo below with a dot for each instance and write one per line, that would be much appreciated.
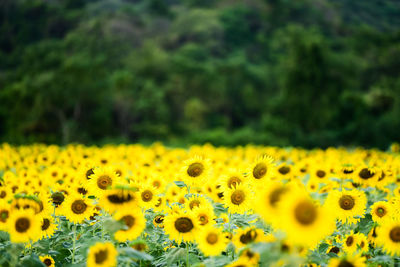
(159, 219)
(45, 224)
(78, 206)
(147, 195)
(47, 262)
(395, 234)
(101, 256)
(260, 170)
(248, 237)
(140, 247)
(233, 181)
(203, 219)
(365, 174)
(380, 212)
(348, 171)
(104, 181)
(89, 172)
(22, 225)
(195, 169)
(238, 197)
(345, 263)
(57, 198)
(194, 203)
(305, 213)
(82, 191)
(346, 202)
(119, 198)
(3, 215)
(128, 220)
(275, 196)
(3, 194)
(284, 170)
(212, 238)
(156, 184)
(184, 225)
(335, 250)
(349, 241)
(321, 174)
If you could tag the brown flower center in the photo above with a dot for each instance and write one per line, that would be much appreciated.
(284, 170)
(101, 256)
(212, 238)
(147, 195)
(57, 198)
(365, 174)
(129, 221)
(184, 225)
(47, 262)
(275, 196)
(159, 219)
(380, 212)
(88, 173)
(248, 237)
(195, 169)
(346, 202)
(22, 225)
(203, 218)
(4, 215)
(305, 213)
(335, 250)
(321, 174)
(3, 194)
(233, 181)
(349, 241)
(395, 234)
(238, 197)
(78, 206)
(260, 170)
(104, 181)
(45, 224)
(345, 263)
(194, 203)
(119, 198)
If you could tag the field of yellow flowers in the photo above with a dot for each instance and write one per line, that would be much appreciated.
(135, 205)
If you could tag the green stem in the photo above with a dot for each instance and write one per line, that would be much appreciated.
(73, 244)
(187, 254)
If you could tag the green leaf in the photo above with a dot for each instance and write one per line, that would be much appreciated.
(133, 253)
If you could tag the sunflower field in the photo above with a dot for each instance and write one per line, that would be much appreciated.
(136, 205)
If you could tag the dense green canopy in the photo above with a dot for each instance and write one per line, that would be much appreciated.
(279, 72)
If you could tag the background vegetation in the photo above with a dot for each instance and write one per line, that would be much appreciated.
(277, 72)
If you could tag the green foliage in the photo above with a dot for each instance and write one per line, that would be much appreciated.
(265, 72)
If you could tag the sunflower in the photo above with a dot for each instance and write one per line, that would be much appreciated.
(353, 261)
(148, 196)
(101, 180)
(350, 243)
(368, 176)
(230, 179)
(48, 226)
(211, 241)
(381, 211)
(181, 226)
(204, 214)
(5, 211)
(250, 256)
(197, 201)
(134, 224)
(158, 221)
(77, 208)
(23, 226)
(102, 255)
(347, 204)
(195, 171)
(261, 170)
(238, 199)
(388, 236)
(247, 236)
(47, 260)
(268, 199)
(304, 222)
(119, 198)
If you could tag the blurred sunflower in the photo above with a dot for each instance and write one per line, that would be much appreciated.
(181, 226)
(23, 226)
(102, 255)
(133, 222)
(47, 260)
(211, 241)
